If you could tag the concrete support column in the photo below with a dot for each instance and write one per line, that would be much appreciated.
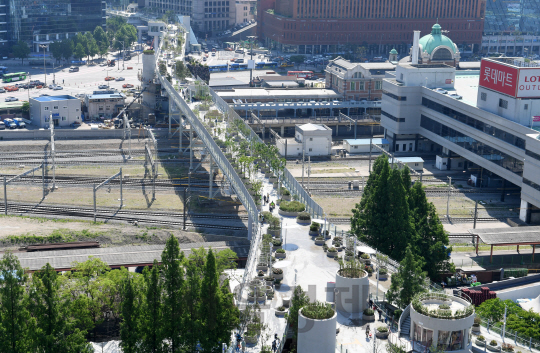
(282, 130)
(523, 211)
(337, 130)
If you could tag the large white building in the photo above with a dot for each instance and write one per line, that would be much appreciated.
(485, 120)
(309, 139)
(64, 110)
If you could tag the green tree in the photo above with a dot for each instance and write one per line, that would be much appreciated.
(67, 49)
(431, 239)
(408, 281)
(56, 50)
(92, 48)
(298, 301)
(493, 309)
(79, 51)
(52, 325)
(114, 23)
(129, 327)
(102, 41)
(21, 50)
(13, 306)
(192, 299)
(173, 285)
(152, 333)
(81, 39)
(181, 71)
(25, 108)
(210, 304)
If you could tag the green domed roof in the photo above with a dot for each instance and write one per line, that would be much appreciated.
(436, 39)
(393, 51)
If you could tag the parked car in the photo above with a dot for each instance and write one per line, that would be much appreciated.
(9, 123)
(103, 86)
(440, 90)
(120, 79)
(127, 85)
(103, 64)
(2, 90)
(109, 78)
(455, 96)
(57, 88)
(11, 88)
(2, 125)
(11, 99)
(74, 69)
(21, 124)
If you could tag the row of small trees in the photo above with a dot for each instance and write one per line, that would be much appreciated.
(172, 307)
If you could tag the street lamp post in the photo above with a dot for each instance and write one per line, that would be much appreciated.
(251, 49)
(44, 68)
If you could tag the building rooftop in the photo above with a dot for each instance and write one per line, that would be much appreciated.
(255, 93)
(226, 81)
(106, 96)
(53, 98)
(358, 142)
(410, 159)
(466, 85)
(510, 236)
(312, 127)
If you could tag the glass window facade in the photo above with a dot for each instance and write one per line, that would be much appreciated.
(450, 340)
(485, 151)
(475, 123)
(27, 19)
(390, 116)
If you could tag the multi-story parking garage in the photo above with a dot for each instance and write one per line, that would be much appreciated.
(485, 120)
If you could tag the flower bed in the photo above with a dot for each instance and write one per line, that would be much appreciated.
(292, 206)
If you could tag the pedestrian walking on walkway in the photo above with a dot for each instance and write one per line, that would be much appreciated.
(380, 314)
(243, 346)
(274, 346)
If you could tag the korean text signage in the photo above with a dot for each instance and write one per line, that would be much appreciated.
(518, 82)
(498, 77)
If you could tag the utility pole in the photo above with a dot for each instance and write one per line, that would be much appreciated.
(448, 199)
(303, 159)
(251, 49)
(475, 214)
(53, 151)
(185, 203)
(370, 147)
(308, 172)
(44, 68)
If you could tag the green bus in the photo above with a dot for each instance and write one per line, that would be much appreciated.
(16, 76)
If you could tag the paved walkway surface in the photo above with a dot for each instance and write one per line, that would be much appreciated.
(308, 266)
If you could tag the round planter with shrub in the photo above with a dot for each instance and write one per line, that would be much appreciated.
(383, 274)
(281, 311)
(368, 315)
(319, 241)
(382, 332)
(276, 244)
(349, 255)
(280, 254)
(314, 229)
(277, 273)
(260, 274)
(322, 322)
(262, 267)
(303, 218)
(365, 258)
(332, 252)
(476, 325)
(291, 208)
(480, 341)
(493, 346)
(269, 280)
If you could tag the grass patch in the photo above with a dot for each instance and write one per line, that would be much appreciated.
(57, 236)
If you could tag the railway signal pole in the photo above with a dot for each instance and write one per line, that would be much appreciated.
(53, 151)
(448, 199)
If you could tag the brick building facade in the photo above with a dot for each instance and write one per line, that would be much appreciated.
(311, 26)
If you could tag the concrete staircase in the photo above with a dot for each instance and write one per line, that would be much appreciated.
(405, 328)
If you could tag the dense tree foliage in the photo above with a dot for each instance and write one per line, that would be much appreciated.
(21, 50)
(526, 323)
(408, 281)
(393, 214)
(170, 306)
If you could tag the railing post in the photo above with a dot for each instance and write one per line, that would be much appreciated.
(5, 196)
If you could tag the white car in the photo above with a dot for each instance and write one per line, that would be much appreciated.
(119, 79)
(455, 96)
(103, 64)
(440, 90)
(11, 99)
(103, 86)
(57, 88)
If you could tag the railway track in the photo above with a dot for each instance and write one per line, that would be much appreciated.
(158, 218)
(443, 220)
(434, 191)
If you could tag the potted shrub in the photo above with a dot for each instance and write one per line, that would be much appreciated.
(332, 252)
(321, 318)
(261, 295)
(319, 241)
(277, 273)
(260, 274)
(303, 218)
(281, 311)
(251, 296)
(369, 270)
(352, 284)
(280, 254)
(285, 194)
(327, 234)
(325, 247)
(507, 347)
(480, 341)
(276, 244)
(314, 229)
(368, 315)
(277, 283)
(291, 208)
(382, 332)
(493, 346)
(383, 274)
(349, 255)
(261, 266)
(365, 258)
(269, 280)
(476, 325)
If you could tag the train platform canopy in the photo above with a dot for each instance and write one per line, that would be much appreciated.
(127, 256)
(507, 236)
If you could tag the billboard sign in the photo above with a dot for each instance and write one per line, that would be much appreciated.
(498, 77)
(529, 82)
(518, 82)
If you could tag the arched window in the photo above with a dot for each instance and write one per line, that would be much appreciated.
(442, 54)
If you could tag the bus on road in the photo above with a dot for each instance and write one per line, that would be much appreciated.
(16, 76)
(301, 74)
(3, 70)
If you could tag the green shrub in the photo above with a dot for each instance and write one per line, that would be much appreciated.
(285, 192)
(332, 249)
(276, 242)
(280, 251)
(303, 216)
(260, 274)
(481, 338)
(316, 225)
(149, 52)
(313, 228)
(319, 238)
(365, 256)
(277, 271)
(515, 272)
(445, 307)
(493, 343)
(369, 312)
(318, 311)
(268, 278)
(292, 206)
(281, 308)
(397, 313)
(349, 253)
(382, 329)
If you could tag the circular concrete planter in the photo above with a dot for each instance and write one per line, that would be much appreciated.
(275, 185)
(480, 343)
(280, 276)
(281, 255)
(321, 336)
(286, 197)
(332, 253)
(354, 293)
(319, 242)
(262, 268)
(493, 349)
(261, 298)
(274, 232)
(476, 328)
(251, 298)
(289, 214)
(276, 247)
(267, 174)
(369, 318)
(273, 179)
(314, 234)
(250, 340)
(382, 335)
(281, 313)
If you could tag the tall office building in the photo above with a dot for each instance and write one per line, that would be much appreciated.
(312, 26)
(40, 22)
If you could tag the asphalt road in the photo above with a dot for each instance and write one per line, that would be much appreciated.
(85, 81)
